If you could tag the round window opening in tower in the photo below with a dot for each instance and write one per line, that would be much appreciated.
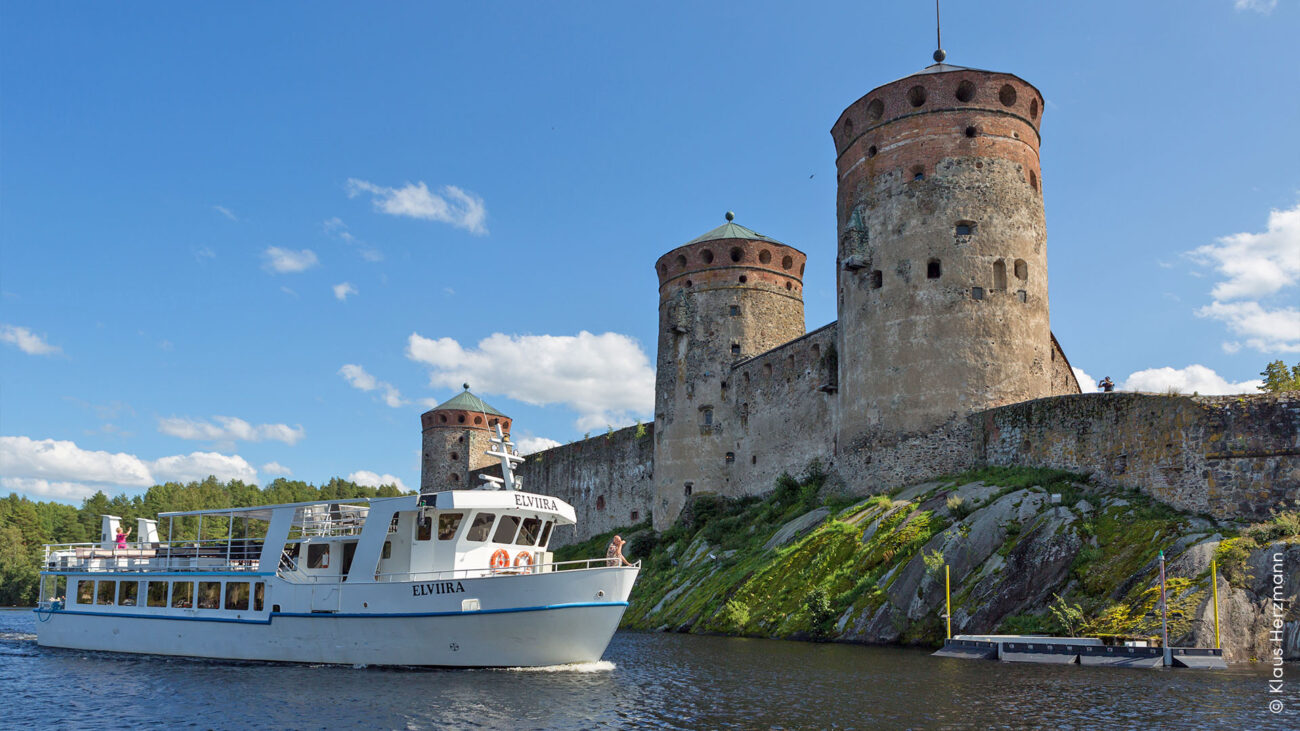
(965, 91)
(1007, 95)
(916, 95)
(875, 109)
(460, 440)
(787, 261)
(971, 131)
(707, 256)
(737, 253)
(478, 420)
(765, 256)
(688, 283)
(442, 418)
(1033, 109)
(743, 279)
(871, 151)
(460, 419)
(918, 172)
(681, 261)
(789, 286)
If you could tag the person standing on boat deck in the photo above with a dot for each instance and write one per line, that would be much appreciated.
(121, 536)
(614, 554)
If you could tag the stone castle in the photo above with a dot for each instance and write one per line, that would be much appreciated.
(942, 357)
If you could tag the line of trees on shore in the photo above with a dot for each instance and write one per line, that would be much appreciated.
(26, 526)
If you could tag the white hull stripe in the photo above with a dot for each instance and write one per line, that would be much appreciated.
(333, 615)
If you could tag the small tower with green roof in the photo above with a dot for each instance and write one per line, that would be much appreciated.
(725, 296)
(456, 438)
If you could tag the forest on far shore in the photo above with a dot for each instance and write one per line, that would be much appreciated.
(26, 526)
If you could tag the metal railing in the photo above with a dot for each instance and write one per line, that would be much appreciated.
(237, 555)
(454, 574)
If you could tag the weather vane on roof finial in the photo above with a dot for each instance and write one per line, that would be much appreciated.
(939, 54)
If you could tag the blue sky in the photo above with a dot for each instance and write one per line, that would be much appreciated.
(257, 240)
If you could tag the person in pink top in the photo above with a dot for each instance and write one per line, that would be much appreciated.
(121, 536)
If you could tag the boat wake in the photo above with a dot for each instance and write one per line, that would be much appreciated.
(599, 666)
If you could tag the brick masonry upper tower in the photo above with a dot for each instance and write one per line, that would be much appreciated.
(942, 257)
(456, 436)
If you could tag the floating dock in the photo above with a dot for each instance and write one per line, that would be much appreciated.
(1077, 650)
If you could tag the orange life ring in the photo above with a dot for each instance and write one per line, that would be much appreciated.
(500, 559)
(524, 559)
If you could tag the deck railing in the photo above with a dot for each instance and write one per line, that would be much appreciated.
(237, 555)
(454, 574)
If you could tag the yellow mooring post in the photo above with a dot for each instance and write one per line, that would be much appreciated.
(947, 596)
(1214, 581)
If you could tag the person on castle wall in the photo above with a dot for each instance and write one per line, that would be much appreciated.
(1106, 384)
(614, 554)
(122, 536)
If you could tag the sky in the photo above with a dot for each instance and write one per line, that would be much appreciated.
(257, 240)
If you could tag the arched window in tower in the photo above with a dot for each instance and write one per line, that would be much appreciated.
(877, 279)
(731, 457)
(1022, 270)
(1033, 109)
(767, 370)
(932, 269)
(999, 275)
(706, 416)
(600, 502)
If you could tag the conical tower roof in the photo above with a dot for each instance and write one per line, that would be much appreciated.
(466, 401)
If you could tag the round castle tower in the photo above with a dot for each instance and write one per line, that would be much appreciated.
(942, 259)
(725, 296)
(456, 436)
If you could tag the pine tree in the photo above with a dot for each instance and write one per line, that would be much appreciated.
(1278, 378)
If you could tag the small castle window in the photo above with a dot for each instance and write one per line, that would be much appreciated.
(789, 286)
(1007, 95)
(454, 477)
(743, 279)
(731, 457)
(965, 91)
(460, 419)
(687, 490)
(871, 151)
(454, 456)
(600, 502)
(875, 108)
(636, 516)
(478, 420)
(688, 283)
(964, 228)
(787, 262)
(706, 416)
(918, 173)
(999, 275)
(1033, 180)
(916, 96)
(681, 261)
(735, 348)
(932, 269)
(663, 268)
(1023, 296)
(735, 311)
(877, 279)
(1033, 109)
(977, 293)
(971, 131)
(767, 370)
(737, 253)
(1022, 269)
(460, 440)
(753, 459)
(816, 351)
(764, 256)
(707, 256)
(442, 418)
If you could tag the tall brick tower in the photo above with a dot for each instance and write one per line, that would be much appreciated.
(456, 434)
(942, 261)
(723, 297)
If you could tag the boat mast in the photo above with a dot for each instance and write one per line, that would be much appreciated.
(503, 450)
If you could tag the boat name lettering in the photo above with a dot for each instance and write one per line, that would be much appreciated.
(533, 501)
(438, 587)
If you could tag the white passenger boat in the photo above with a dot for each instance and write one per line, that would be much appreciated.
(454, 578)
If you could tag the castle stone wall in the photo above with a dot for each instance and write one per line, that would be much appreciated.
(1226, 456)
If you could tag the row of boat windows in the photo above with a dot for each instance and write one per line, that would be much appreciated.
(177, 594)
(510, 529)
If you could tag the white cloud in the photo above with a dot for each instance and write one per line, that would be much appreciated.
(449, 205)
(1259, 6)
(1087, 383)
(606, 379)
(39, 488)
(225, 212)
(229, 429)
(286, 261)
(199, 465)
(363, 381)
(366, 478)
(275, 468)
(1192, 379)
(26, 340)
(1257, 267)
(530, 445)
(342, 290)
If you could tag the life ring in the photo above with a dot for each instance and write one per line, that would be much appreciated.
(525, 559)
(500, 559)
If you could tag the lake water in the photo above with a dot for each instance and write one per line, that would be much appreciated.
(646, 680)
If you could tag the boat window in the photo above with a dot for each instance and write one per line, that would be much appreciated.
(424, 528)
(259, 596)
(506, 529)
(129, 591)
(157, 594)
(447, 525)
(388, 551)
(237, 595)
(318, 556)
(528, 532)
(183, 594)
(546, 532)
(349, 550)
(85, 592)
(209, 595)
(482, 525)
(107, 592)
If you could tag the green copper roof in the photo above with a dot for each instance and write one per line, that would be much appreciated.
(466, 401)
(731, 230)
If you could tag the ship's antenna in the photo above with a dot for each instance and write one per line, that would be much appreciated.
(939, 54)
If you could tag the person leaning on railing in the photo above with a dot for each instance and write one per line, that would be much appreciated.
(614, 553)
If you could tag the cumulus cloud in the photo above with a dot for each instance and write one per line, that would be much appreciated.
(275, 468)
(606, 379)
(366, 478)
(449, 205)
(229, 429)
(286, 261)
(1192, 379)
(1259, 6)
(363, 381)
(62, 470)
(342, 290)
(530, 445)
(26, 340)
(1087, 383)
(1256, 268)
